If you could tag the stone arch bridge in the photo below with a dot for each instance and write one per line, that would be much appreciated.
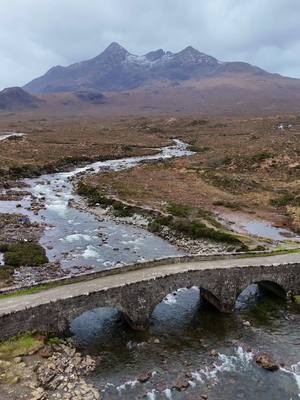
(136, 291)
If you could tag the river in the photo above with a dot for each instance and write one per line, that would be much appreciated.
(76, 238)
(183, 331)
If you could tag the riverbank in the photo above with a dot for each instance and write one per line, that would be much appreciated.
(23, 261)
(36, 367)
(191, 229)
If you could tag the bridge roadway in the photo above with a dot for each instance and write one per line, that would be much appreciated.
(136, 292)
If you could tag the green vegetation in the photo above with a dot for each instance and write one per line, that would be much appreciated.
(6, 273)
(35, 289)
(198, 230)
(192, 213)
(23, 253)
(261, 156)
(121, 210)
(54, 340)
(286, 199)
(231, 182)
(198, 122)
(193, 229)
(199, 149)
(179, 210)
(228, 204)
(183, 218)
(94, 197)
(20, 345)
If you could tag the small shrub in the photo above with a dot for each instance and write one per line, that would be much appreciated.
(227, 204)
(198, 149)
(122, 210)
(198, 122)
(155, 226)
(6, 273)
(54, 340)
(179, 210)
(3, 247)
(92, 195)
(261, 156)
(282, 201)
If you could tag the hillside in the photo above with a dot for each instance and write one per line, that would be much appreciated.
(15, 98)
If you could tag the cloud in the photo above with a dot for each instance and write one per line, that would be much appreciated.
(38, 34)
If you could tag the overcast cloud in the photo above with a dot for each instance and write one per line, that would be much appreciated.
(38, 34)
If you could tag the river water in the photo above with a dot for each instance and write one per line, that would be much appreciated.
(76, 238)
(180, 341)
(183, 331)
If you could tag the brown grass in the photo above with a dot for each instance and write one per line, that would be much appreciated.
(241, 164)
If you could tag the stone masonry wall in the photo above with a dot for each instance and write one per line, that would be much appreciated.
(221, 287)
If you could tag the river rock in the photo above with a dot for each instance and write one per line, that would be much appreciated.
(181, 383)
(214, 353)
(46, 352)
(267, 362)
(143, 378)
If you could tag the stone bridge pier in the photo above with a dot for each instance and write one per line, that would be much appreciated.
(54, 310)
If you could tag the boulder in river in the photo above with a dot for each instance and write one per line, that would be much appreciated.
(181, 383)
(143, 378)
(267, 362)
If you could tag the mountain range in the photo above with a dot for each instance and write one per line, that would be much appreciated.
(118, 82)
(115, 69)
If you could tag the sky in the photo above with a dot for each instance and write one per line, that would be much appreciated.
(36, 35)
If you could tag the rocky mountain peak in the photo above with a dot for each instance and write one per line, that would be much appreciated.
(190, 55)
(114, 49)
(155, 55)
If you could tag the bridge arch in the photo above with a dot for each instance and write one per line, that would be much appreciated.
(152, 297)
(272, 287)
(267, 286)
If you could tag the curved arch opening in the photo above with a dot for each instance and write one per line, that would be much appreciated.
(183, 309)
(271, 288)
(176, 310)
(189, 315)
(258, 291)
(100, 326)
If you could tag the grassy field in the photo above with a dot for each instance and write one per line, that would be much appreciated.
(244, 165)
(240, 165)
(54, 143)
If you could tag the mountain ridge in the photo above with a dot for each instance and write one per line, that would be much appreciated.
(116, 69)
